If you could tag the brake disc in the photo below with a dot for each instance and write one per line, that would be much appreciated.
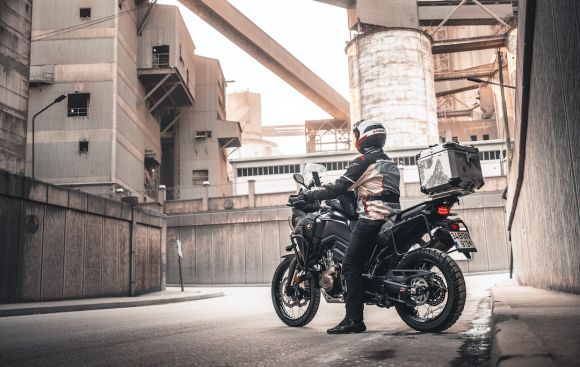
(420, 284)
(438, 291)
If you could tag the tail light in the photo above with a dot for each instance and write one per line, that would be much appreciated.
(454, 226)
(443, 210)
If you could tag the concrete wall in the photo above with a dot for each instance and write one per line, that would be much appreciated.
(244, 246)
(60, 244)
(543, 198)
(15, 28)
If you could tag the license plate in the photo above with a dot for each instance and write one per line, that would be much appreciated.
(462, 240)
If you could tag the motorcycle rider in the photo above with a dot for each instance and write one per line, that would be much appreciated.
(374, 178)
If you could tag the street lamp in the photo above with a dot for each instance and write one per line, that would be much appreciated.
(478, 80)
(57, 100)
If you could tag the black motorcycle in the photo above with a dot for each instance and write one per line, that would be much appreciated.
(410, 267)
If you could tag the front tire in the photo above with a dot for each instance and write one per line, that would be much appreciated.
(298, 304)
(447, 292)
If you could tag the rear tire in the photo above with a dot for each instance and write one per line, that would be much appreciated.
(430, 259)
(298, 310)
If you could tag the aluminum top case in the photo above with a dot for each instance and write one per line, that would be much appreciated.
(449, 168)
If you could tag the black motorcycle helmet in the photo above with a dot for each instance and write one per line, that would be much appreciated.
(369, 134)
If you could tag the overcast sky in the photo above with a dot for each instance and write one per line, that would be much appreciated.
(315, 33)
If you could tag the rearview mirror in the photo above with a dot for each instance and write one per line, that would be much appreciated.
(298, 178)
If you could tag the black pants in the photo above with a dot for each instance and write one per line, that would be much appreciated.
(359, 250)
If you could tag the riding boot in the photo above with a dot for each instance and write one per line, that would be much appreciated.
(347, 326)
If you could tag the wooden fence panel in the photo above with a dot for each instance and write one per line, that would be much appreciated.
(203, 259)
(53, 253)
(270, 249)
(93, 256)
(9, 231)
(497, 248)
(30, 254)
(124, 257)
(219, 247)
(253, 237)
(110, 257)
(154, 261)
(74, 254)
(237, 254)
(171, 247)
(187, 238)
(140, 249)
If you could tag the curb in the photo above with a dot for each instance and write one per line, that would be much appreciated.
(36, 310)
(512, 342)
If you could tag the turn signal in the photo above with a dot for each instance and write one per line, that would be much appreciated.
(443, 210)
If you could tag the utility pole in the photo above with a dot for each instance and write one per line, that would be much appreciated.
(506, 127)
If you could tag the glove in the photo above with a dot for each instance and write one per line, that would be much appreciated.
(307, 195)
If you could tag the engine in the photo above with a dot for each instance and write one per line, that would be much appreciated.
(330, 278)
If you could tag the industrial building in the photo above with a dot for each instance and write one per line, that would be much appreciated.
(133, 85)
(274, 174)
(15, 28)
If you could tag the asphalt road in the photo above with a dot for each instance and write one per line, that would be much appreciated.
(241, 329)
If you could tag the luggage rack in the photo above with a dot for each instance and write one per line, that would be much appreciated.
(455, 192)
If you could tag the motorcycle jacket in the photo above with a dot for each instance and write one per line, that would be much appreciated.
(374, 178)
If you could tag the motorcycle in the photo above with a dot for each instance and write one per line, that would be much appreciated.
(410, 267)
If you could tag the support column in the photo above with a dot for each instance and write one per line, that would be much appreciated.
(402, 186)
(251, 193)
(205, 197)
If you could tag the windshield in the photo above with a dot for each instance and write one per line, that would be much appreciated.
(312, 167)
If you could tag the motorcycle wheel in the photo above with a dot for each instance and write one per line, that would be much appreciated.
(444, 303)
(299, 305)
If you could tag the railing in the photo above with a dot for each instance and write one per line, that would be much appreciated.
(78, 112)
(161, 59)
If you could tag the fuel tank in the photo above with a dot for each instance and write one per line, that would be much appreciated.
(335, 233)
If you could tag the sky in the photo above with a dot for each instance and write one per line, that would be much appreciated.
(314, 32)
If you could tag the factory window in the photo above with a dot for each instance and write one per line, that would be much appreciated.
(335, 166)
(85, 13)
(161, 55)
(455, 139)
(78, 104)
(203, 134)
(485, 136)
(198, 177)
(405, 161)
(473, 137)
(83, 146)
(270, 170)
(490, 155)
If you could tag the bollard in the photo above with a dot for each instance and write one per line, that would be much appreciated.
(161, 194)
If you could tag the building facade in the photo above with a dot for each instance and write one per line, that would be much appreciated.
(15, 28)
(129, 73)
(274, 174)
(203, 137)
